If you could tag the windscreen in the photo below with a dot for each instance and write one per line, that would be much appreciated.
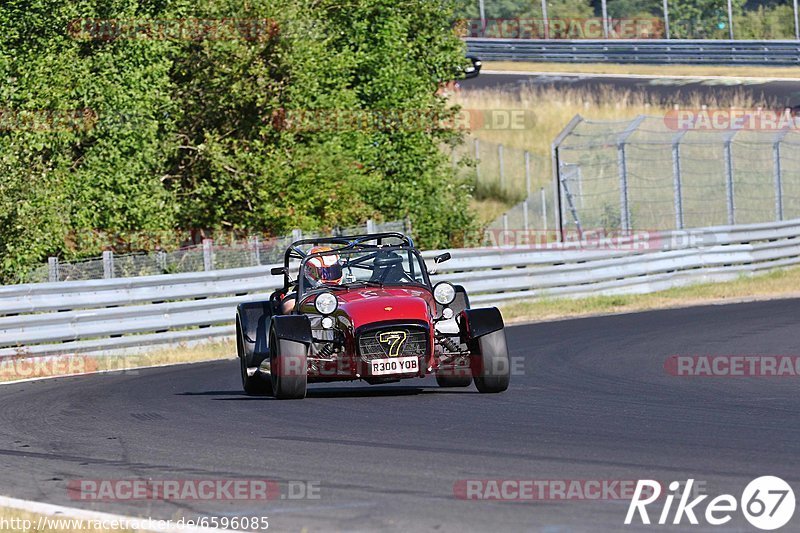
(385, 266)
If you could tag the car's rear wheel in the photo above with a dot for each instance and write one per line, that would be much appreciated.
(288, 369)
(453, 377)
(255, 384)
(490, 364)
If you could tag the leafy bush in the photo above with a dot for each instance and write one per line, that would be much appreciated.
(186, 133)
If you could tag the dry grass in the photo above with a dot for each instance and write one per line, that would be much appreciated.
(777, 284)
(13, 369)
(488, 209)
(655, 70)
(548, 110)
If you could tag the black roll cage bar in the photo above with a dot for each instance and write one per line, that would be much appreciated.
(344, 244)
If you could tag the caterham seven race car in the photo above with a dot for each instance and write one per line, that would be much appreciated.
(363, 307)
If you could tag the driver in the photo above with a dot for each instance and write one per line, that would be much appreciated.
(320, 271)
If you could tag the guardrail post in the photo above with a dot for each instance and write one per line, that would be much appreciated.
(676, 179)
(52, 268)
(297, 234)
(108, 264)
(501, 168)
(729, 192)
(370, 226)
(255, 250)
(208, 254)
(777, 174)
(527, 174)
(505, 222)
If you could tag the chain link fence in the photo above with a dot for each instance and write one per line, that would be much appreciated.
(499, 171)
(651, 174)
(246, 252)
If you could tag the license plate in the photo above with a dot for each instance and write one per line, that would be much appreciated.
(395, 365)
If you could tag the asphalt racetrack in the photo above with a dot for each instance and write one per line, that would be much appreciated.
(665, 90)
(590, 400)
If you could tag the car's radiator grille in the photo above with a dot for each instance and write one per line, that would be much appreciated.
(393, 342)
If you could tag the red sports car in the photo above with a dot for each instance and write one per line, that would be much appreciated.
(363, 307)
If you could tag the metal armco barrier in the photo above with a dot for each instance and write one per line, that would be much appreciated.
(100, 316)
(658, 51)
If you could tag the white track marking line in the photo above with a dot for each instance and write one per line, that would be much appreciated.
(65, 513)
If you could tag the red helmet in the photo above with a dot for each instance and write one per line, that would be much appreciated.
(325, 269)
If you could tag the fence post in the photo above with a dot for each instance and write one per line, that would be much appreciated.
(796, 22)
(676, 179)
(477, 145)
(555, 161)
(730, 19)
(502, 168)
(625, 208)
(505, 222)
(546, 21)
(527, 174)
(52, 268)
(544, 210)
(108, 264)
(729, 192)
(370, 226)
(255, 250)
(161, 261)
(297, 234)
(525, 215)
(208, 254)
(778, 174)
(666, 19)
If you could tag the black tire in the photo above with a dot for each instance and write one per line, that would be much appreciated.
(491, 369)
(288, 369)
(449, 377)
(255, 385)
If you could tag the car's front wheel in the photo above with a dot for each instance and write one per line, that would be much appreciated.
(288, 369)
(255, 384)
(490, 364)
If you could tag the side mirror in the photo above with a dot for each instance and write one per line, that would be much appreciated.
(441, 258)
(279, 271)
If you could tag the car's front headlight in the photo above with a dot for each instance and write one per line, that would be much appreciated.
(326, 303)
(444, 293)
